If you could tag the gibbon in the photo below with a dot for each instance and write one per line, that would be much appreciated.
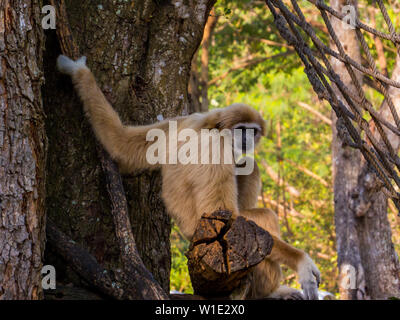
(189, 190)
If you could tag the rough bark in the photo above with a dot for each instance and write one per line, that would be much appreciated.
(82, 262)
(222, 252)
(370, 206)
(126, 284)
(364, 238)
(22, 150)
(138, 282)
(140, 52)
(345, 168)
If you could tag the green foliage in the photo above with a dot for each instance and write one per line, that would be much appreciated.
(180, 280)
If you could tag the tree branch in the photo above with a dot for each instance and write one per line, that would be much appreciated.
(294, 213)
(308, 172)
(208, 31)
(138, 279)
(315, 112)
(274, 176)
(82, 262)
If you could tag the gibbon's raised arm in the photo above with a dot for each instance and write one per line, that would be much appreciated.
(126, 144)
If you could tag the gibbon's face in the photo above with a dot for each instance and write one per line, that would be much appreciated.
(246, 123)
(246, 136)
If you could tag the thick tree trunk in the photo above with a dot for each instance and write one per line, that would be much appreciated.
(366, 255)
(379, 257)
(345, 168)
(22, 150)
(140, 53)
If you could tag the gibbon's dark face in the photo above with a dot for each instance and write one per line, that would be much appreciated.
(245, 122)
(246, 136)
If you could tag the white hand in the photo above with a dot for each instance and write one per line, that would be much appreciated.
(309, 278)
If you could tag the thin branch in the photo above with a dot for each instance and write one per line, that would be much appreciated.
(194, 86)
(274, 176)
(315, 112)
(267, 41)
(205, 47)
(308, 172)
(292, 212)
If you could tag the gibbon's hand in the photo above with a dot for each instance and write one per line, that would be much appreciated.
(309, 278)
(69, 66)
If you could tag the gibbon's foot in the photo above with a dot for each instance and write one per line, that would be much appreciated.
(286, 293)
(309, 278)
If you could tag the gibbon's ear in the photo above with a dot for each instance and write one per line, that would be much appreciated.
(266, 127)
(69, 66)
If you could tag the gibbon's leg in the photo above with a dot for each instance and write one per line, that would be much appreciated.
(125, 144)
(265, 279)
(283, 253)
(265, 283)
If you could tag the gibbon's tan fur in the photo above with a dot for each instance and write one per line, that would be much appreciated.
(189, 190)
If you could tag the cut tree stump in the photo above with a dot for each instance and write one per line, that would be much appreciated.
(223, 251)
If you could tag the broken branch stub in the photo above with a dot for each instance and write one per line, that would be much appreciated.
(223, 250)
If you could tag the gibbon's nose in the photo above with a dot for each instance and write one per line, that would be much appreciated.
(244, 140)
(247, 139)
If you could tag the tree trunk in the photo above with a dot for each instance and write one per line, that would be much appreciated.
(140, 53)
(366, 254)
(22, 150)
(379, 257)
(345, 168)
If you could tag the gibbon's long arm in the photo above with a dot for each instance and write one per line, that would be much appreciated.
(126, 144)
